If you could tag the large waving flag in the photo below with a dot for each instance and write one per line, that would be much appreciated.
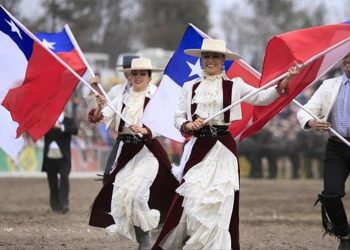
(34, 86)
(320, 48)
(240, 68)
(159, 113)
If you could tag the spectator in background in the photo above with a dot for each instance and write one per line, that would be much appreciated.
(311, 147)
(57, 161)
(251, 148)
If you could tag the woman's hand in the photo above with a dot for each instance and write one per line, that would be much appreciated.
(101, 102)
(95, 80)
(282, 86)
(319, 126)
(138, 129)
(194, 126)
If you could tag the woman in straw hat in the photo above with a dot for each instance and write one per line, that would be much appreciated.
(204, 214)
(138, 192)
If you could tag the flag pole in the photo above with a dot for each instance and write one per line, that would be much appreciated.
(316, 118)
(31, 35)
(272, 82)
(268, 85)
(82, 56)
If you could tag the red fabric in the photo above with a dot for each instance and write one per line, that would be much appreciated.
(284, 50)
(161, 191)
(200, 149)
(241, 69)
(47, 87)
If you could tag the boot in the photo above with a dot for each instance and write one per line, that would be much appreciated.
(143, 238)
(334, 218)
(344, 245)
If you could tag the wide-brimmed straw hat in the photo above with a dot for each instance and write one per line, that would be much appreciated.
(141, 64)
(213, 45)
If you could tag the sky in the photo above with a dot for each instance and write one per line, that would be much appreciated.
(338, 10)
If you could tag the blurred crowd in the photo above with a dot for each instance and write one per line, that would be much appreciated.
(280, 150)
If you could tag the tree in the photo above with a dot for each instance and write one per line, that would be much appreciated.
(98, 25)
(12, 6)
(162, 22)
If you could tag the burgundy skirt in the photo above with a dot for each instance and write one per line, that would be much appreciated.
(200, 149)
(161, 192)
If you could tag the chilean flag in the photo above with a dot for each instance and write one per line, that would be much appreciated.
(320, 48)
(34, 86)
(159, 113)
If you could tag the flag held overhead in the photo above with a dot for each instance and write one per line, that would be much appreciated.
(35, 86)
(318, 48)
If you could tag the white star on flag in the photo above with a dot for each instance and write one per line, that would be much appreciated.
(195, 68)
(14, 28)
(49, 45)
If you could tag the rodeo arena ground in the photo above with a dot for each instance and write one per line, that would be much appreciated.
(274, 214)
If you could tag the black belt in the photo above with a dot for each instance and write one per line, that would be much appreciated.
(212, 131)
(132, 139)
(335, 138)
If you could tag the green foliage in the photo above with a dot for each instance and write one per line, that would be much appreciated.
(98, 25)
(11, 5)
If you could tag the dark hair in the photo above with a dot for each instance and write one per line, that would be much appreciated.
(149, 72)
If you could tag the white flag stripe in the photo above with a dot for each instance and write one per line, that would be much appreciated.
(8, 143)
(167, 95)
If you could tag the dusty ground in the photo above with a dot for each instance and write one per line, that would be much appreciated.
(274, 215)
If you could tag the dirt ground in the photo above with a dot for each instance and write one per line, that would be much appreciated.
(274, 215)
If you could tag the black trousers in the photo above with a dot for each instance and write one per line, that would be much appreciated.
(58, 178)
(336, 168)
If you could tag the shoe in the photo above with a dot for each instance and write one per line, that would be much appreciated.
(65, 209)
(143, 238)
(55, 211)
(344, 245)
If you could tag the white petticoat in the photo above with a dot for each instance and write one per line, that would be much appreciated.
(208, 193)
(131, 191)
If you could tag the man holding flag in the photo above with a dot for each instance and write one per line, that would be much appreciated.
(331, 104)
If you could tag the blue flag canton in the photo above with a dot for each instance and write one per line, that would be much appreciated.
(182, 67)
(10, 28)
(57, 42)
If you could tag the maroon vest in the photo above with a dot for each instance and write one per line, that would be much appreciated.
(227, 96)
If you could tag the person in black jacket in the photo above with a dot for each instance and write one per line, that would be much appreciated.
(57, 161)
